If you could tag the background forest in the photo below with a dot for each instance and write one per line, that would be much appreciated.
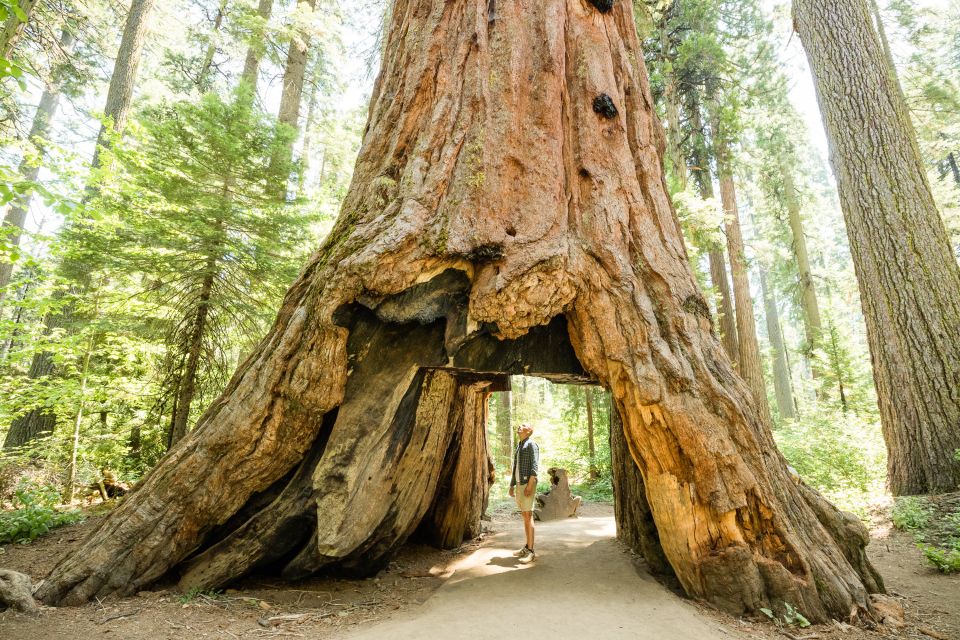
(168, 167)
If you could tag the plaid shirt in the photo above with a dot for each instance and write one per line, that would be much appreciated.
(526, 462)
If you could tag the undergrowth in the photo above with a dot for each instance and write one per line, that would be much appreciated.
(34, 513)
(935, 525)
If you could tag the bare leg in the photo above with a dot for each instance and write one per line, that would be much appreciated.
(528, 527)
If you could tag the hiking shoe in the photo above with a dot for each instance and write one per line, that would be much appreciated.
(530, 557)
(522, 553)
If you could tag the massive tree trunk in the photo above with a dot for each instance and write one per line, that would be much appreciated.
(507, 215)
(30, 167)
(809, 307)
(748, 363)
(908, 277)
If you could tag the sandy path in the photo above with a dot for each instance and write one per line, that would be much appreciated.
(583, 586)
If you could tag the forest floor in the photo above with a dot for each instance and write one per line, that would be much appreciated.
(583, 585)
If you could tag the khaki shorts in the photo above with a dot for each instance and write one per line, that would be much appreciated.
(525, 503)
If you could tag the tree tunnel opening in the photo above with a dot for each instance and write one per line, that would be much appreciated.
(406, 454)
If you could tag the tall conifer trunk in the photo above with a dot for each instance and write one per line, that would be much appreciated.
(124, 78)
(809, 306)
(718, 268)
(255, 48)
(13, 26)
(507, 215)
(294, 74)
(30, 168)
(781, 370)
(908, 276)
(749, 365)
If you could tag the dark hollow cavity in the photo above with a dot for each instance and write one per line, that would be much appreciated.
(603, 106)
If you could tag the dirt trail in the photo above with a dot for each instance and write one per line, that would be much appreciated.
(583, 585)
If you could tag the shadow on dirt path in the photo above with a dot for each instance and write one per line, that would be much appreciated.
(583, 585)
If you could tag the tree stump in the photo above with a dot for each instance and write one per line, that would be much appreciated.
(558, 502)
(496, 224)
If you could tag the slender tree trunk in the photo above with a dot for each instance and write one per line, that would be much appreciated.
(781, 371)
(749, 365)
(809, 305)
(591, 445)
(307, 138)
(718, 268)
(504, 430)
(14, 26)
(565, 261)
(674, 146)
(124, 78)
(30, 167)
(909, 279)
(256, 47)
(77, 422)
(187, 386)
(203, 77)
(294, 74)
(954, 168)
(40, 421)
(17, 319)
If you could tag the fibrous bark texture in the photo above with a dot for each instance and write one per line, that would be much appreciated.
(496, 225)
(908, 276)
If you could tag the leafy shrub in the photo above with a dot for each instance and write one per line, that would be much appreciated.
(599, 490)
(911, 513)
(34, 513)
(935, 524)
(946, 560)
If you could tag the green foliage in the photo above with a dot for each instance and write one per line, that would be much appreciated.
(195, 593)
(944, 560)
(599, 490)
(791, 617)
(841, 455)
(911, 513)
(935, 524)
(34, 513)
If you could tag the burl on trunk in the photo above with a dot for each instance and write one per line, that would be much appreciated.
(507, 214)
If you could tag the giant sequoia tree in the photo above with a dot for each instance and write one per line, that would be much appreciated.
(908, 276)
(507, 214)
